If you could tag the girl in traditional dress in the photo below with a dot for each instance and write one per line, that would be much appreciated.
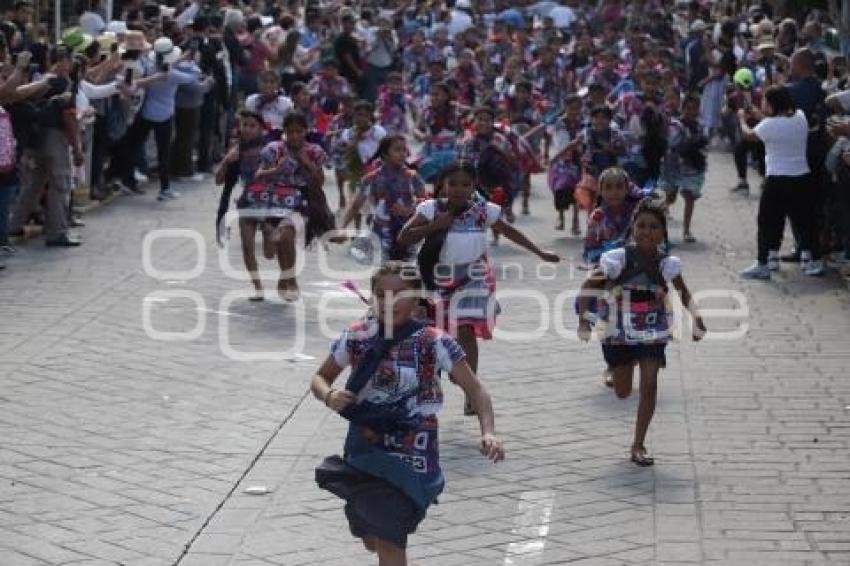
(390, 470)
(454, 260)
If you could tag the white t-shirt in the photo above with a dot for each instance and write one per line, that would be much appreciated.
(466, 241)
(784, 140)
(612, 263)
(272, 112)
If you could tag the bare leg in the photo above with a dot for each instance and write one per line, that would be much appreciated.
(526, 192)
(390, 554)
(467, 340)
(576, 228)
(340, 185)
(623, 380)
(269, 242)
(689, 213)
(646, 408)
(248, 233)
(371, 543)
(287, 285)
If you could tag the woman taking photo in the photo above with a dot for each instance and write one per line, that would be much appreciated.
(785, 192)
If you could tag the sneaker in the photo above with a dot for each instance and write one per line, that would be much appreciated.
(756, 271)
(167, 194)
(773, 261)
(140, 177)
(741, 187)
(814, 268)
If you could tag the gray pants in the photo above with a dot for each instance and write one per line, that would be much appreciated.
(48, 164)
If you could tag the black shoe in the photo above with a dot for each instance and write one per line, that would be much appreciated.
(793, 257)
(63, 242)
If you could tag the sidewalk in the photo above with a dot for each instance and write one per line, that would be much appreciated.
(120, 449)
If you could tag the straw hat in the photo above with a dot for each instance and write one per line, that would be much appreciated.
(106, 40)
(135, 41)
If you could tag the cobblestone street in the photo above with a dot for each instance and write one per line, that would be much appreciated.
(121, 445)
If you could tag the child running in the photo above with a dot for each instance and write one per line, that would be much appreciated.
(454, 261)
(242, 162)
(358, 144)
(390, 471)
(271, 104)
(565, 167)
(392, 189)
(637, 278)
(290, 180)
(685, 164)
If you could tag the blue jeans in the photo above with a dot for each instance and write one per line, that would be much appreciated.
(7, 197)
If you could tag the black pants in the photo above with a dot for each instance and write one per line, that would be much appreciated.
(135, 138)
(99, 152)
(742, 149)
(186, 124)
(208, 133)
(783, 197)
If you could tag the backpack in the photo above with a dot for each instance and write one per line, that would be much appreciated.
(8, 144)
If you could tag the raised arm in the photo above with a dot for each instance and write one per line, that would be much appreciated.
(522, 240)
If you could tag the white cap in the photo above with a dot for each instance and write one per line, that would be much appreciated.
(117, 27)
(165, 48)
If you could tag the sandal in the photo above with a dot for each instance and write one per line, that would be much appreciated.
(640, 458)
